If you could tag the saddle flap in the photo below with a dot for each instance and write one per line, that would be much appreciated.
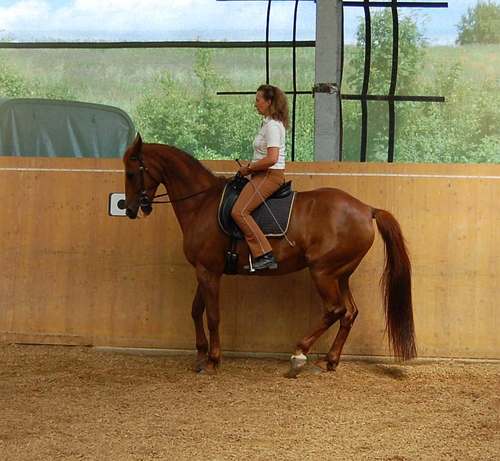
(273, 225)
(284, 191)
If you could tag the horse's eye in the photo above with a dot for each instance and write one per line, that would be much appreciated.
(129, 175)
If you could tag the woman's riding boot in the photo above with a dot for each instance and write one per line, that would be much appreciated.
(266, 261)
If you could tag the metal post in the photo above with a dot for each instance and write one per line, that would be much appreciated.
(327, 125)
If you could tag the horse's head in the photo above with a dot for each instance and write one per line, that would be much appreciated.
(140, 181)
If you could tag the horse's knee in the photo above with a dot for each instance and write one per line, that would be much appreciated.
(237, 214)
(213, 320)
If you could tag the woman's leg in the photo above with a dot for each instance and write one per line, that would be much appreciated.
(261, 186)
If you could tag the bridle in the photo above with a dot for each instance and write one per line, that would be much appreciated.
(145, 202)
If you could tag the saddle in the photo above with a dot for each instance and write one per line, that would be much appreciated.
(280, 204)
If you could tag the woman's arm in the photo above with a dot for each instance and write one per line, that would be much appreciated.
(268, 161)
(263, 164)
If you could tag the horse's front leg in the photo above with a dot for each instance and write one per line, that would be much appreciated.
(201, 340)
(209, 284)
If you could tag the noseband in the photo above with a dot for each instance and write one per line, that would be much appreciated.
(144, 201)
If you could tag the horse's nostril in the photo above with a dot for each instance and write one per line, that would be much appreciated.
(130, 213)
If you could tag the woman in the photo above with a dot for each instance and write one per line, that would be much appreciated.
(267, 171)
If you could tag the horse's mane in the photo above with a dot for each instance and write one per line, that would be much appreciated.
(189, 160)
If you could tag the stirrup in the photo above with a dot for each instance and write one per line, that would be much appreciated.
(250, 267)
(263, 263)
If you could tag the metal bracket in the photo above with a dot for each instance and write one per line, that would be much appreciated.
(330, 88)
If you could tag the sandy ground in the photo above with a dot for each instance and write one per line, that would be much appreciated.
(67, 403)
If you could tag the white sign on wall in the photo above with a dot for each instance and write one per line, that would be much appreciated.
(116, 205)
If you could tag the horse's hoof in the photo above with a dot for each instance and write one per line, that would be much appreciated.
(206, 367)
(207, 371)
(297, 363)
(322, 366)
(291, 373)
(332, 366)
(211, 371)
(200, 365)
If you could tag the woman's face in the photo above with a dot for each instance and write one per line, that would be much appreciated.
(261, 104)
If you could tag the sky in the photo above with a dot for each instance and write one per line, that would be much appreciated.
(27, 20)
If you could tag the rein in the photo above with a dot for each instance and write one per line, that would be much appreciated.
(178, 199)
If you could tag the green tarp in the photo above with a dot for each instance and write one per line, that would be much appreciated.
(54, 128)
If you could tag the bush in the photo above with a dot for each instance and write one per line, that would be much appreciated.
(13, 85)
(481, 24)
(463, 130)
(192, 117)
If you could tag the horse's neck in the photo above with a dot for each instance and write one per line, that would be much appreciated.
(183, 177)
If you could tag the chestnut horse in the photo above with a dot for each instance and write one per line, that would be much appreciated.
(332, 232)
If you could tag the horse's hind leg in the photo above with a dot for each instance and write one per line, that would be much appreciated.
(331, 361)
(201, 339)
(333, 308)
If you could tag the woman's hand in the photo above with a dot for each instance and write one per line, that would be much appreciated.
(263, 164)
(244, 170)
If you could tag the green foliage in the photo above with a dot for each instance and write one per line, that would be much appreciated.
(411, 51)
(411, 44)
(13, 85)
(463, 130)
(191, 115)
(171, 95)
(481, 24)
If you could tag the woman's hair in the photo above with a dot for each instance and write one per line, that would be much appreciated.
(278, 110)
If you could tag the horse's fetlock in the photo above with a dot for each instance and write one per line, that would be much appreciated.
(215, 361)
(202, 348)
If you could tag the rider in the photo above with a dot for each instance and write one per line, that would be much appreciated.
(267, 171)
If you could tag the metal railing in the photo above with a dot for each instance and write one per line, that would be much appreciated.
(363, 97)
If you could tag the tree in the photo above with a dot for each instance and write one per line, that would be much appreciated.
(411, 50)
(481, 24)
(187, 113)
(411, 44)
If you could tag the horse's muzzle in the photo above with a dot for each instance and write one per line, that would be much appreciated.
(146, 209)
(145, 204)
(131, 213)
(144, 200)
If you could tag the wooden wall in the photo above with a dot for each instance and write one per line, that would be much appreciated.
(71, 274)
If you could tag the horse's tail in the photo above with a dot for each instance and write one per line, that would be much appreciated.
(396, 286)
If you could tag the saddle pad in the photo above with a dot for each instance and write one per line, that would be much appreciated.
(281, 208)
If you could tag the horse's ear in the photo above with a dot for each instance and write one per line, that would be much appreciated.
(137, 144)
